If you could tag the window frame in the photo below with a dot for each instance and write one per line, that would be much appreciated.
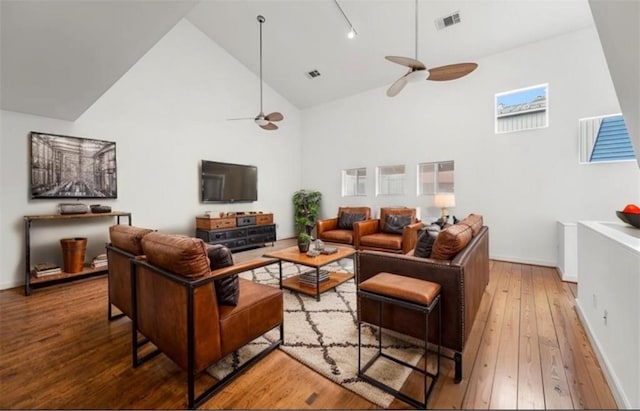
(402, 178)
(436, 183)
(356, 182)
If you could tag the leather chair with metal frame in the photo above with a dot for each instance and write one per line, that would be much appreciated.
(175, 306)
(125, 245)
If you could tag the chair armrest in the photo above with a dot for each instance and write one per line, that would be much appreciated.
(238, 268)
(410, 236)
(326, 225)
(364, 227)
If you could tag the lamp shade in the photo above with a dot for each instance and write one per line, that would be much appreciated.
(444, 200)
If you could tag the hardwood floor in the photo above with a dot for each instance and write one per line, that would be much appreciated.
(527, 350)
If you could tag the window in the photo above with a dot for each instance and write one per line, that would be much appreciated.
(354, 182)
(435, 178)
(604, 139)
(390, 180)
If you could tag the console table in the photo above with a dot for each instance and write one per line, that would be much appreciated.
(237, 232)
(30, 280)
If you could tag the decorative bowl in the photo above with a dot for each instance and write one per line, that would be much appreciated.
(629, 218)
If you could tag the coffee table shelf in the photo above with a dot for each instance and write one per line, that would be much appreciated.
(335, 279)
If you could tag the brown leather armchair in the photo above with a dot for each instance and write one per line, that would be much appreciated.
(330, 230)
(125, 245)
(375, 234)
(175, 306)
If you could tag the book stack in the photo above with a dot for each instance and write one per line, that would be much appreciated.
(308, 278)
(45, 269)
(99, 261)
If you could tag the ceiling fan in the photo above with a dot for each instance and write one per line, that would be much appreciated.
(417, 70)
(265, 122)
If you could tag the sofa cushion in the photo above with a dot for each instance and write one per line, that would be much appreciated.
(425, 241)
(394, 223)
(382, 241)
(178, 254)
(227, 288)
(451, 241)
(338, 236)
(475, 222)
(128, 238)
(346, 220)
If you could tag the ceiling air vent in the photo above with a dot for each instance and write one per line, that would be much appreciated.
(313, 74)
(446, 21)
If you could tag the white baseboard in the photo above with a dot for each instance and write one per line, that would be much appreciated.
(614, 383)
(572, 278)
(523, 260)
(13, 284)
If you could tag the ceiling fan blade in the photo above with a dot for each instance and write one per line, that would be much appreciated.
(406, 61)
(451, 71)
(397, 86)
(242, 118)
(269, 126)
(275, 116)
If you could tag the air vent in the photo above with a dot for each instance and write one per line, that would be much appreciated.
(313, 74)
(446, 21)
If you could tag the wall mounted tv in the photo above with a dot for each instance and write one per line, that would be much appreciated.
(72, 167)
(228, 183)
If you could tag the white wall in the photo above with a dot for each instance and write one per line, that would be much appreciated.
(165, 115)
(521, 182)
(618, 23)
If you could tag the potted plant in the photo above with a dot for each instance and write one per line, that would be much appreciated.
(304, 241)
(306, 205)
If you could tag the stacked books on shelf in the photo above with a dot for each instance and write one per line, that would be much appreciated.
(45, 269)
(308, 278)
(99, 261)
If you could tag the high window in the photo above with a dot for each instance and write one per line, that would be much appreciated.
(436, 177)
(354, 182)
(390, 180)
(604, 139)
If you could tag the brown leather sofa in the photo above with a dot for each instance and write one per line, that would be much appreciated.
(125, 245)
(176, 308)
(330, 229)
(374, 234)
(463, 279)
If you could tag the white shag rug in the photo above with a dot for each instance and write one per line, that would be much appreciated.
(323, 335)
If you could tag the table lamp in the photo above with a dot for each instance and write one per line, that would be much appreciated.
(444, 201)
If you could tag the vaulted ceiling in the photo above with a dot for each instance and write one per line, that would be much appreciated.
(59, 56)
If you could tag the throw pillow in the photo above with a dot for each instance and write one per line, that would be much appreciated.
(219, 256)
(346, 220)
(425, 241)
(227, 288)
(451, 241)
(396, 222)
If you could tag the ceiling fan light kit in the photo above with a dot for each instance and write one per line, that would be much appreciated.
(418, 71)
(264, 122)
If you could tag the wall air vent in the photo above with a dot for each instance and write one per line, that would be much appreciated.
(449, 20)
(313, 74)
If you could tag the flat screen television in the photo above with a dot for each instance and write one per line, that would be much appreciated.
(228, 183)
(72, 167)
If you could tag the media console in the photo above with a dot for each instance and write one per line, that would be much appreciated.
(237, 232)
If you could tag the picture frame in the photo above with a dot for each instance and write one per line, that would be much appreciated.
(72, 167)
(522, 109)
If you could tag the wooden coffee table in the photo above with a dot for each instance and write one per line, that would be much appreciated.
(293, 255)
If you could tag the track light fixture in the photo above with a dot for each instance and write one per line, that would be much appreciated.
(352, 31)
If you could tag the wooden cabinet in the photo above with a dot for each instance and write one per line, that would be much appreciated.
(30, 280)
(239, 232)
